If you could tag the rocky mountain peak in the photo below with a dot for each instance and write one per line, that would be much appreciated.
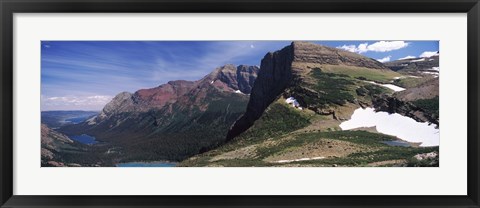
(233, 77)
(228, 78)
(246, 76)
(119, 103)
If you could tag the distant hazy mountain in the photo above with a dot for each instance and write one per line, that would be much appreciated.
(55, 119)
(415, 64)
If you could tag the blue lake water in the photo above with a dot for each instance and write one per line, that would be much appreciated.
(146, 164)
(397, 143)
(84, 138)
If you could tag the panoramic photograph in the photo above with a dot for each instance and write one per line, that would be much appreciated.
(365, 103)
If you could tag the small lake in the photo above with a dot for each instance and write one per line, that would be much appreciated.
(394, 124)
(146, 164)
(84, 139)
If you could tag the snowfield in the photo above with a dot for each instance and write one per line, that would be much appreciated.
(395, 124)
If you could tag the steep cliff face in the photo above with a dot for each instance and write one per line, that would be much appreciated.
(289, 66)
(409, 109)
(275, 75)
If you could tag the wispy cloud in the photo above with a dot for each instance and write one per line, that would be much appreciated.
(380, 46)
(95, 102)
(86, 68)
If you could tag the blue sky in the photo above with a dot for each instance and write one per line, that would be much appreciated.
(84, 75)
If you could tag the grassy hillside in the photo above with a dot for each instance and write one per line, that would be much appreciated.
(283, 133)
(382, 76)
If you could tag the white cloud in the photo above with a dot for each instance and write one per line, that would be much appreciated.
(384, 46)
(380, 46)
(351, 48)
(384, 59)
(95, 102)
(362, 48)
(407, 57)
(252, 46)
(427, 54)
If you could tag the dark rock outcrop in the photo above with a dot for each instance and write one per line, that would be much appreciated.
(275, 75)
(393, 105)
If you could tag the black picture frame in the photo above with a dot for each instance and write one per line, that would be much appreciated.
(10, 7)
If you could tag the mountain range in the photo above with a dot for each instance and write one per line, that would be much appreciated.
(175, 120)
(243, 115)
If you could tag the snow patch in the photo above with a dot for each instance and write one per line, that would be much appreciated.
(418, 60)
(389, 86)
(301, 159)
(435, 74)
(293, 102)
(239, 92)
(394, 124)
